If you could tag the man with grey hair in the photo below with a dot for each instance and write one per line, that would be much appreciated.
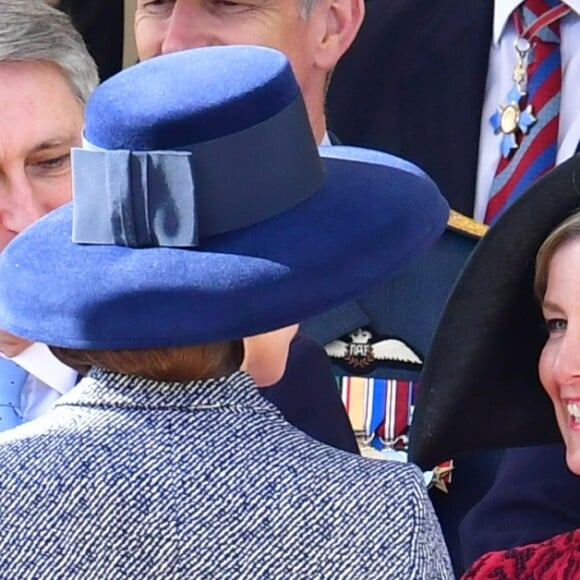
(46, 77)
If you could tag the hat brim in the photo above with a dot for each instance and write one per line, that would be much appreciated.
(480, 387)
(372, 215)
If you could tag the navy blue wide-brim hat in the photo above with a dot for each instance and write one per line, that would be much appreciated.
(204, 212)
(480, 387)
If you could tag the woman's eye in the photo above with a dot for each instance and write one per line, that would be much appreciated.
(555, 325)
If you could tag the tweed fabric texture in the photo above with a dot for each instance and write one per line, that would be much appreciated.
(133, 478)
(12, 380)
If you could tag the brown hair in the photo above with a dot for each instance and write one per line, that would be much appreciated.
(568, 230)
(164, 364)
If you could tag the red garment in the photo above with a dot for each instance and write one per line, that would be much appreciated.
(555, 559)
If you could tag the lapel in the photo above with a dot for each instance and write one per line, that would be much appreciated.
(334, 140)
(336, 322)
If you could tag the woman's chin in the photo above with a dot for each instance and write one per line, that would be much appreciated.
(573, 455)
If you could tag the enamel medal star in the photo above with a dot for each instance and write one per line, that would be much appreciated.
(511, 119)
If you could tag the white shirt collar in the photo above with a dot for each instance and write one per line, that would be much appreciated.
(502, 10)
(326, 138)
(42, 364)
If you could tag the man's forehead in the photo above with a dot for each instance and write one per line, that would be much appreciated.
(29, 74)
(38, 109)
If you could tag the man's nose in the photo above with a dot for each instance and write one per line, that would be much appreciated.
(188, 27)
(19, 208)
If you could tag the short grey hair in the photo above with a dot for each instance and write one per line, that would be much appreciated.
(31, 31)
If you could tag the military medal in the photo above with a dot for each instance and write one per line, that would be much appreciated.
(399, 404)
(442, 476)
(514, 119)
(380, 414)
(511, 119)
(380, 410)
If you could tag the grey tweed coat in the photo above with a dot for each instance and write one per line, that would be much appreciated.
(133, 478)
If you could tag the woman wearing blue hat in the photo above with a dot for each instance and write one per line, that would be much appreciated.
(203, 213)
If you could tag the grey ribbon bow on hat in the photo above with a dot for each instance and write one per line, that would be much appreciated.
(147, 199)
(174, 198)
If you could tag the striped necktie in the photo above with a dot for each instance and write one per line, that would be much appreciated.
(529, 150)
(12, 379)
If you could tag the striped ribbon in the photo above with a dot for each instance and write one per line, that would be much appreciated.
(380, 412)
(399, 404)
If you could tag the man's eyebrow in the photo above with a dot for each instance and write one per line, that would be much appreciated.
(54, 142)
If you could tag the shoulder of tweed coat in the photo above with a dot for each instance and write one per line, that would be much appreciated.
(133, 478)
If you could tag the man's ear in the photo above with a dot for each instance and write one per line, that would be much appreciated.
(342, 20)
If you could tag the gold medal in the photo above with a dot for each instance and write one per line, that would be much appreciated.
(511, 120)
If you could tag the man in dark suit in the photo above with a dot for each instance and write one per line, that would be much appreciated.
(419, 82)
(415, 83)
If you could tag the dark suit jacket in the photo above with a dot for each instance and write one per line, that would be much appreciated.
(413, 83)
(407, 307)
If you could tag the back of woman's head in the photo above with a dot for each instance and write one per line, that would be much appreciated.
(163, 364)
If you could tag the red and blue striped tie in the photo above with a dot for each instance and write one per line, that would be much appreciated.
(535, 154)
